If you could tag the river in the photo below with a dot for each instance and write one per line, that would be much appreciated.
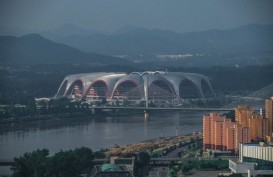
(95, 133)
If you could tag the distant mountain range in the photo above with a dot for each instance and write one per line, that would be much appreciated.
(64, 30)
(250, 39)
(131, 40)
(34, 48)
(246, 45)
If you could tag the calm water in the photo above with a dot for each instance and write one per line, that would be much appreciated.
(95, 133)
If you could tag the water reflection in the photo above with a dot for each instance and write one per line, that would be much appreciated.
(96, 133)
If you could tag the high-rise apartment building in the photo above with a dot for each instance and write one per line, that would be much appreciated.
(209, 131)
(269, 115)
(219, 133)
(257, 127)
(243, 134)
(242, 114)
(236, 134)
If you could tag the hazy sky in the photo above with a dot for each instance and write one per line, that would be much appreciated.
(176, 15)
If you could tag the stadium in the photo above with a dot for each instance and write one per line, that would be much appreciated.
(136, 86)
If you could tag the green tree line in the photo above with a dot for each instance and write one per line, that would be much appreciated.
(200, 165)
(38, 163)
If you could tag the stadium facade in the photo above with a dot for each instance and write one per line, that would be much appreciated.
(136, 86)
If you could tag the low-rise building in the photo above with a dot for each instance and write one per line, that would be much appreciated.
(128, 162)
(254, 159)
(111, 170)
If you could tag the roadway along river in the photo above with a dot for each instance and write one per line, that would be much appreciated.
(95, 133)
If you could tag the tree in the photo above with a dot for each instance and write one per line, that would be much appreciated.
(70, 163)
(103, 101)
(144, 158)
(117, 102)
(84, 157)
(99, 155)
(152, 104)
(186, 167)
(62, 164)
(236, 175)
(230, 114)
(172, 164)
(141, 164)
(30, 164)
(138, 169)
(201, 152)
(126, 102)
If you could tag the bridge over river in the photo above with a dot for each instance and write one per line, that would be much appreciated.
(255, 100)
(162, 108)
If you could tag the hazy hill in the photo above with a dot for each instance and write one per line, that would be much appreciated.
(14, 31)
(34, 48)
(70, 29)
(244, 40)
(63, 30)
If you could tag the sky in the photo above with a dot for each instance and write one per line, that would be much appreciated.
(109, 15)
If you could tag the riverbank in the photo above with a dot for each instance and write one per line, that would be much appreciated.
(152, 146)
(95, 132)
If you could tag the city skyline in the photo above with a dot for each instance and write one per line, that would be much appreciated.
(136, 88)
